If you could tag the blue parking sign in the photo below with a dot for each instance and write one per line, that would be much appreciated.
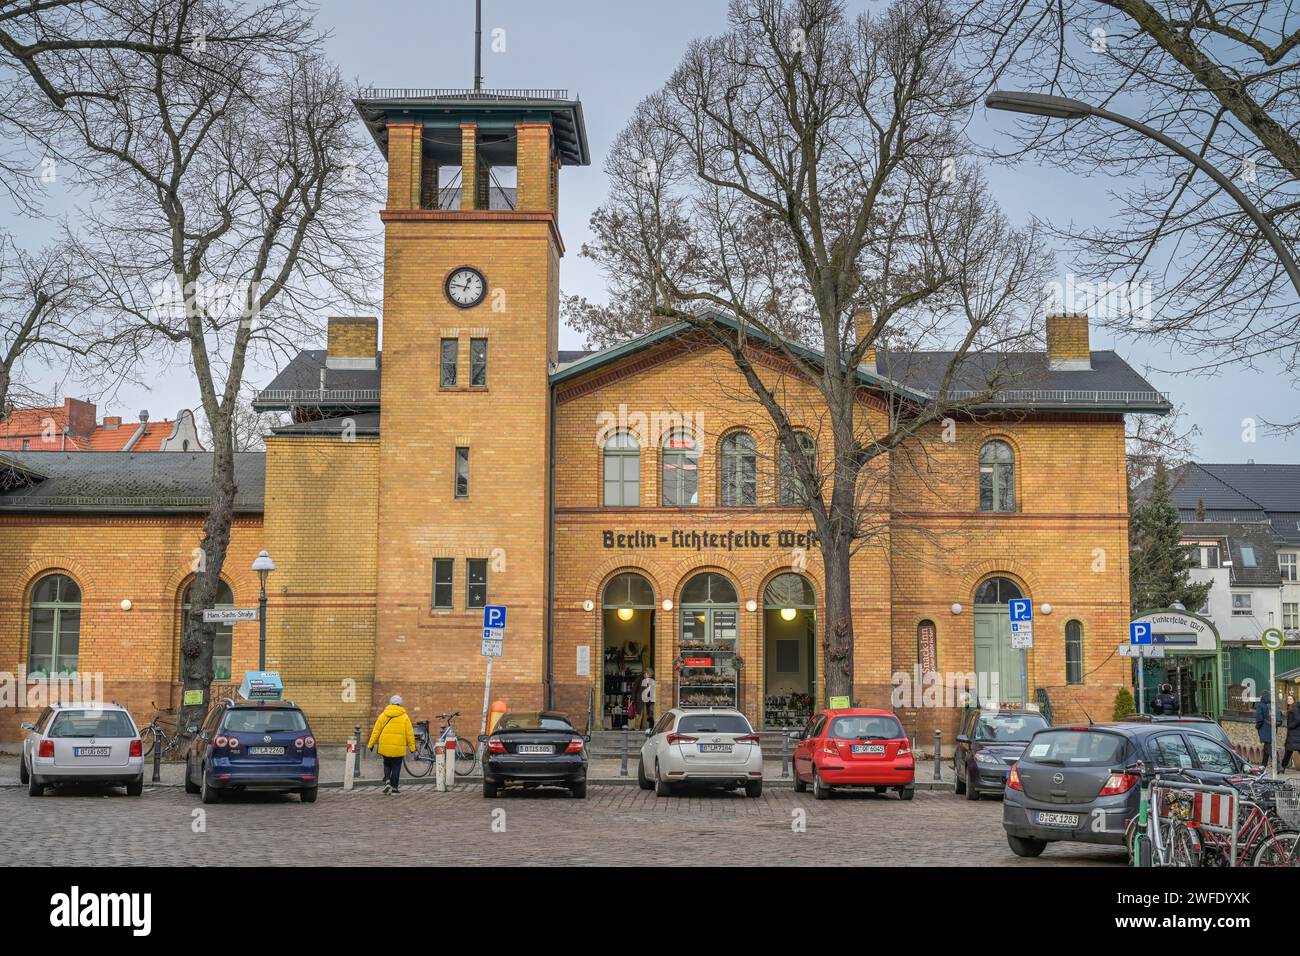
(494, 616)
(1139, 632)
(1022, 609)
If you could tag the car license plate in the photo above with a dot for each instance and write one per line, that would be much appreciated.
(715, 748)
(91, 751)
(266, 751)
(868, 748)
(1066, 820)
(534, 749)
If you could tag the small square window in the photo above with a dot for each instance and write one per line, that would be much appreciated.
(478, 363)
(444, 572)
(450, 359)
(476, 582)
(462, 472)
(1248, 557)
(1241, 605)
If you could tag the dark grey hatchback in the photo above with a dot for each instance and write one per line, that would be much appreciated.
(1071, 784)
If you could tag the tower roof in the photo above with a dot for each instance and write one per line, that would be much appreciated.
(489, 109)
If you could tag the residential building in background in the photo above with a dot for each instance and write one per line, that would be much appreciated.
(73, 426)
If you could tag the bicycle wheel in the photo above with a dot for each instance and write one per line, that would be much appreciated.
(466, 757)
(1184, 846)
(419, 763)
(1278, 850)
(148, 737)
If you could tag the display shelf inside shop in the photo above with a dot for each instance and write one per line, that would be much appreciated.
(790, 710)
(715, 684)
(621, 673)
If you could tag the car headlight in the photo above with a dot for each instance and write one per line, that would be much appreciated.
(988, 758)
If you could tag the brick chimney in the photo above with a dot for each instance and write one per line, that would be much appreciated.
(353, 342)
(112, 421)
(862, 324)
(1067, 342)
(80, 417)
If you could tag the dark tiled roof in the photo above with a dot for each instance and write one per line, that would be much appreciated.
(572, 355)
(1241, 493)
(1257, 535)
(300, 383)
(126, 482)
(365, 423)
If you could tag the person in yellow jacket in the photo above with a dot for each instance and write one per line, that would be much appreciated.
(396, 737)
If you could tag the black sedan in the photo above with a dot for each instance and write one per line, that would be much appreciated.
(989, 743)
(534, 749)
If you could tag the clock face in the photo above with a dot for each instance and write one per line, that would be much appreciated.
(466, 287)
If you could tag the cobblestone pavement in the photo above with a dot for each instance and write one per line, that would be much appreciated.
(614, 825)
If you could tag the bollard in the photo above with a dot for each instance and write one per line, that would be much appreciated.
(348, 774)
(785, 753)
(356, 769)
(440, 766)
(157, 759)
(449, 760)
(622, 770)
(938, 745)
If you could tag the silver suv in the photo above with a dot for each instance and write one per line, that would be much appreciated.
(80, 743)
(701, 745)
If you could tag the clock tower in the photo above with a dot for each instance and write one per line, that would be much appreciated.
(470, 330)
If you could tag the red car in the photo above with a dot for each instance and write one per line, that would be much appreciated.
(855, 747)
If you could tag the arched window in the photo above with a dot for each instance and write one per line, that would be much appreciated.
(622, 470)
(681, 471)
(55, 635)
(709, 588)
(1074, 652)
(997, 477)
(739, 470)
(628, 589)
(997, 591)
(791, 489)
(789, 590)
(223, 642)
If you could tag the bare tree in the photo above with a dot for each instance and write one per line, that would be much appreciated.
(1223, 78)
(248, 427)
(232, 200)
(799, 175)
(43, 301)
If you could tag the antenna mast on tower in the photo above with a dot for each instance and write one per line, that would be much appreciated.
(478, 45)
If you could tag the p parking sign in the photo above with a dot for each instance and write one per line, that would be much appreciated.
(1139, 632)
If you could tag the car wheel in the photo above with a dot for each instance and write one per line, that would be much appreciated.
(1026, 846)
(308, 794)
(972, 792)
(489, 789)
(209, 793)
(22, 770)
(800, 785)
(190, 785)
(34, 786)
(754, 788)
(906, 793)
(645, 782)
(956, 775)
(579, 789)
(662, 787)
(135, 787)
(820, 790)
(880, 789)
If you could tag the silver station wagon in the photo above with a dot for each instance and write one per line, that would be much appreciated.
(79, 743)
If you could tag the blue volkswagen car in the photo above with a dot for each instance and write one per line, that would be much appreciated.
(253, 745)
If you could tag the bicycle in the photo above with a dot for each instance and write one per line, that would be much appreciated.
(1142, 834)
(419, 763)
(1267, 817)
(155, 733)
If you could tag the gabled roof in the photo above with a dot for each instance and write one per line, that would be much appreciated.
(127, 482)
(1255, 493)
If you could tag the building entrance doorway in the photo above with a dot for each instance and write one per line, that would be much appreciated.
(789, 651)
(997, 663)
(627, 647)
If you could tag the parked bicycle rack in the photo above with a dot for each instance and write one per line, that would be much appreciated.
(1208, 812)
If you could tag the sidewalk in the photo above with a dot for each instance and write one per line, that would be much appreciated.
(602, 770)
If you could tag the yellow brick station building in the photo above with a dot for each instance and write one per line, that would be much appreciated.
(629, 507)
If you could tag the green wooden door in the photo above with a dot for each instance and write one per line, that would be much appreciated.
(995, 655)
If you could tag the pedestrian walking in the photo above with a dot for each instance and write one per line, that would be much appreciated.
(1292, 730)
(647, 716)
(395, 738)
(1264, 726)
(1166, 703)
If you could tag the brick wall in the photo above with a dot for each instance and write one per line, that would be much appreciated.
(353, 337)
(1067, 336)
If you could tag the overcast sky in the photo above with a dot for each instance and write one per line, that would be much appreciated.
(611, 53)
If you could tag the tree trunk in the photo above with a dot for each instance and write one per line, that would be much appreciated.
(837, 629)
(197, 645)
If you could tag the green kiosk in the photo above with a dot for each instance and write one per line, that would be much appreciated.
(1192, 661)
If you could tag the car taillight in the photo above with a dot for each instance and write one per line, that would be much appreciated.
(1013, 780)
(1118, 783)
(47, 749)
(575, 746)
(220, 741)
(137, 748)
(232, 742)
(904, 748)
(496, 745)
(682, 738)
(748, 739)
(310, 743)
(299, 742)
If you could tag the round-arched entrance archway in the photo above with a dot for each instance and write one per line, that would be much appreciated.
(997, 663)
(710, 643)
(789, 651)
(627, 645)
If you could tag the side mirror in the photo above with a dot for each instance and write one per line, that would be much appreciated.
(649, 732)
(27, 726)
(192, 729)
(963, 739)
(586, 738)
(482, 738)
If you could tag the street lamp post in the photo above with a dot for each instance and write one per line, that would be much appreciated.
(263, 565)
(1062, 107)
